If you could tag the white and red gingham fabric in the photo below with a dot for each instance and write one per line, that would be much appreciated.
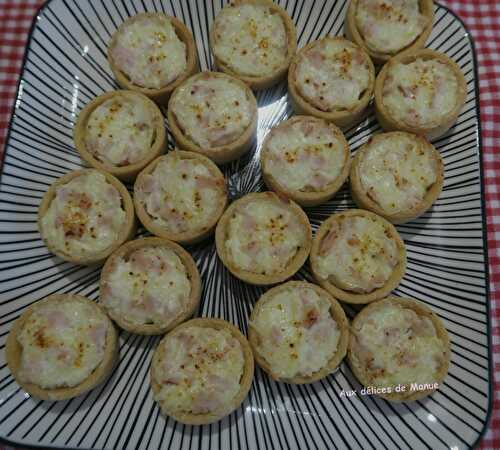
(482, 18)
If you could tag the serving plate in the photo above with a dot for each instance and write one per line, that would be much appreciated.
(64, 68)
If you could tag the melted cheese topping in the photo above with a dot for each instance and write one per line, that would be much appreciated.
(296, 332)
(212, 111)
(397, 171)
(181, 195)
(357, 254)
(149, 286)
(62, 344)
(199, 370)
(305, 155)
(389, 26)
(120, 131)
(85, 216)
(395, 345)
(333, 74)
(263, 237)
(250, 39)
(420, 92)
(149, 52)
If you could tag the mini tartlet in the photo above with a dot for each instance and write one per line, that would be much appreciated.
(399, 342)
(420, 92)
(61, 347)
(201, 371)
(305, 159)
(386, 28)
(263, 239)
(298, 332)
(213, 114)
(332, 79)
(120, 132)
(152, 53)
(150, 285)
(180, 196)
(397, 175)
(85, 215)
(358, 256)
(253, 40)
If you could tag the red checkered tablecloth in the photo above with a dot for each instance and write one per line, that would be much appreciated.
(482, 17)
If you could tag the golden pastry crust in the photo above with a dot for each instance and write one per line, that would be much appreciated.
(379, 58)
(224, 153)
(309, 197)
(263, 82)
(126, 233)
(343, 118)
(360, 196)
(13, 351)
(337, 314)
(187, 237)
(257, 278)
(130, 171)
(421, 310)
(193, 274)
(162, 95)
(437, 127)
(349, 296)
(245, 381)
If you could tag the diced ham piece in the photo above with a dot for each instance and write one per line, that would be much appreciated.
(275, 335)
(315, 58)
(205, 402)
(148, 184)
(249, 223)
(98, 335)
(329, 240)
(203, 182)
(123, 56)
(306, 128)
(57, 319)
(319, 181)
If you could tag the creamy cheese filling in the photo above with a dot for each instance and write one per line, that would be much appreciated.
(150, 286)
(212, 111)
(120, 131)
(420, 92)
(181, 195)
(199, 371)
(250, 39)
(85, 215)
(263, 237)
(62, 344)
(357, 254)
(149, 52)
(389, 26)
(333, 74)
(305, 155)
(396, 172)
(297, 335)
(395, 345)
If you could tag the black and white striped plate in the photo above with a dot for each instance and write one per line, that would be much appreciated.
(65, 67)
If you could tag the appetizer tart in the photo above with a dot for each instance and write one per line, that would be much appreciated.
(385, 28)
(305, 159)
(85, 215)
(152, 53)
(263, 239)
(253, 40)
(298, 332)
(180, 196)
(332, 79)
(61, 347)
(397, 175)
(357, 256)
(399, 342)
(214, 114)
(120, 132)
(201, 371)
(420, 92)
(150, 285)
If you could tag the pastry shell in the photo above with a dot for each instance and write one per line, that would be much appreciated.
(353, 297)
(421, 310)
(13, 351)
(337, 314)
(245, 381)
(192, 272)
